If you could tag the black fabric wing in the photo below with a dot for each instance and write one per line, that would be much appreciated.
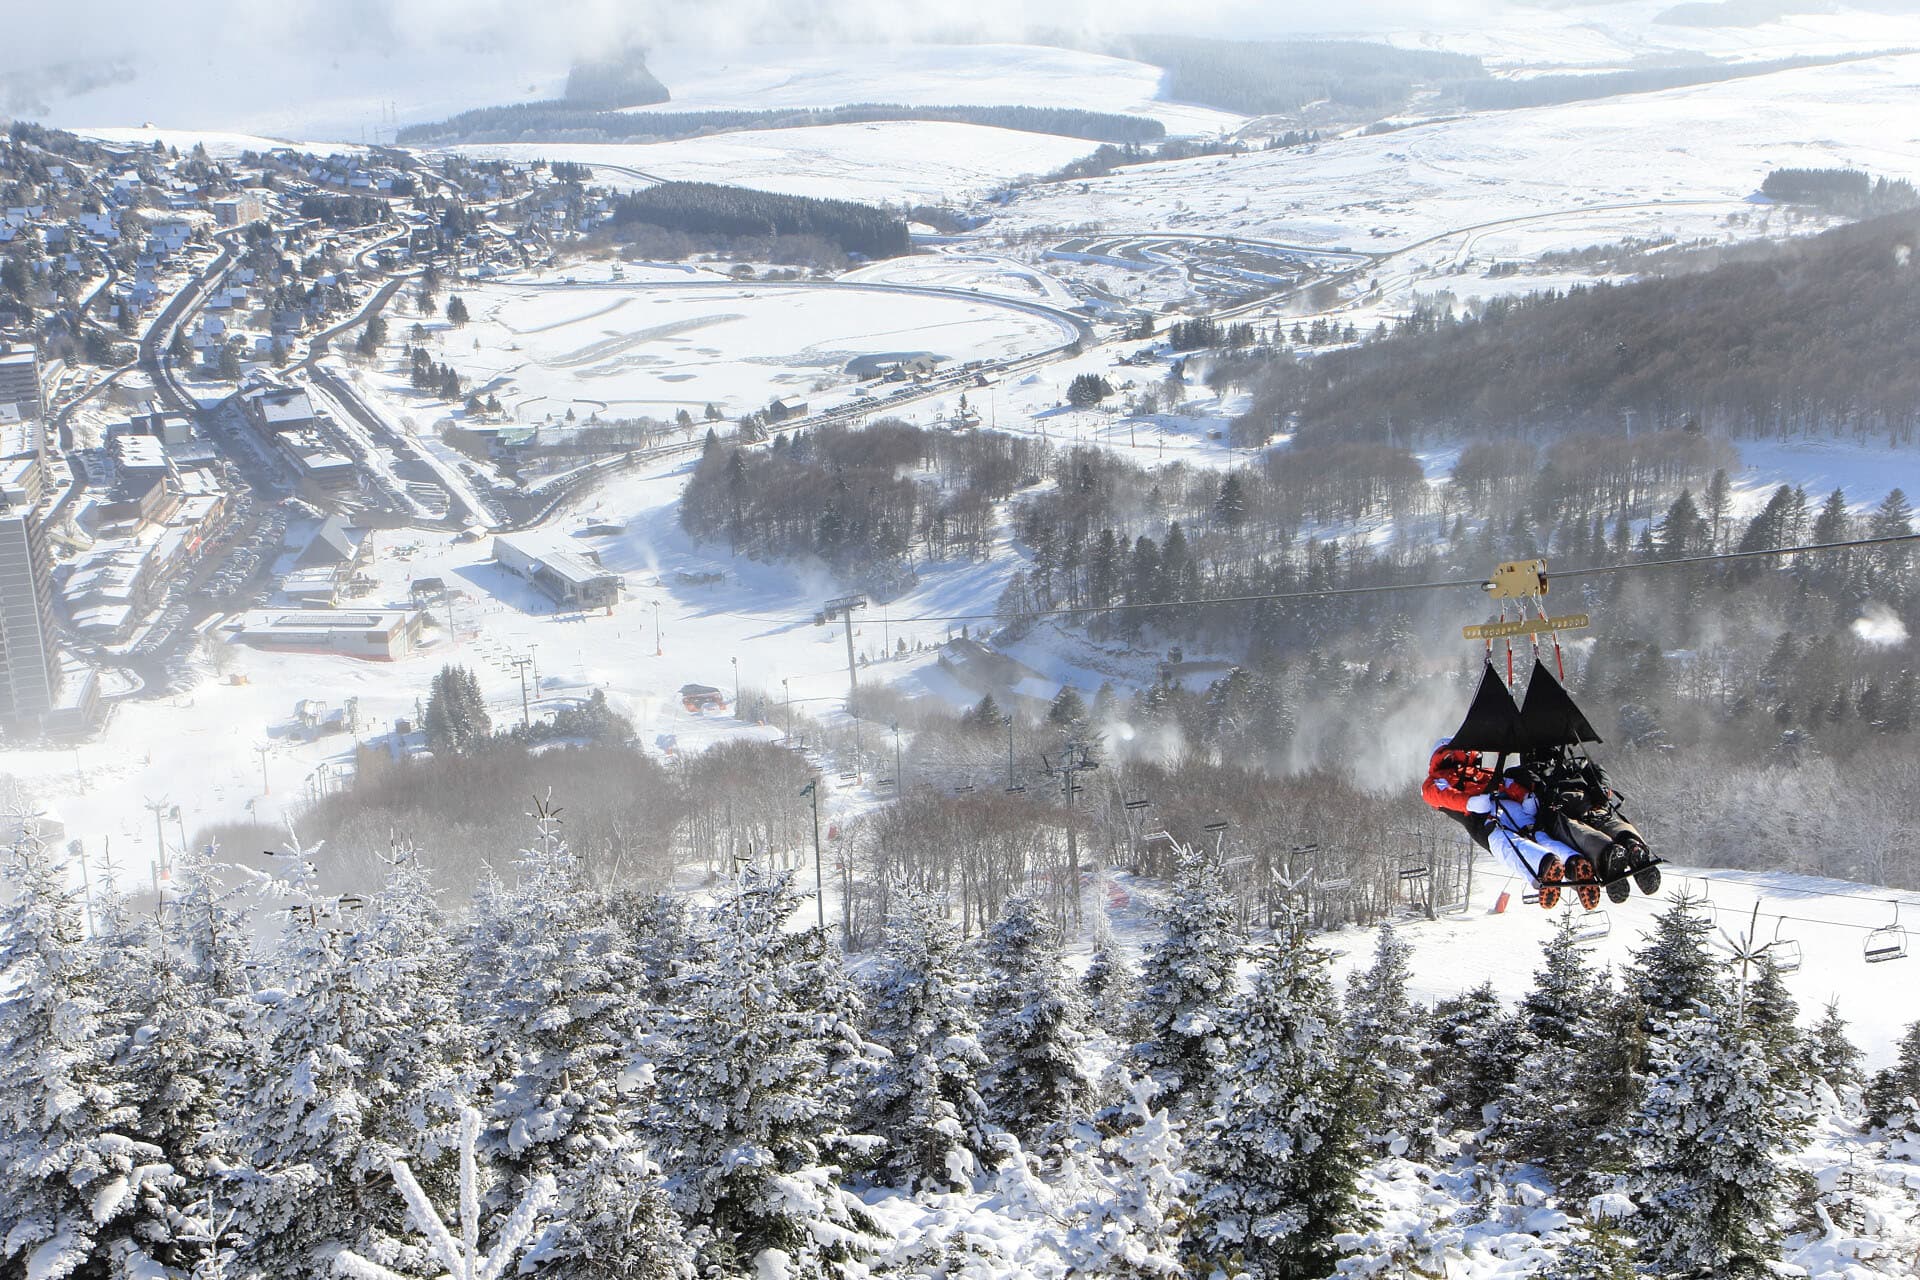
(1548, 717)
(1493, 721)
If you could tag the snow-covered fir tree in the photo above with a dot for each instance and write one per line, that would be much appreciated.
(1110, 985)
(1129, 1190)
(763, 1031)
(1831, 1056)
(560, 1021)
(1387, 1040)
(1676, 971)
(82, 1194)
(1547, 1116)
(925, 1100)
(1187, 980)
(1034, 1030)
(188, 1055)
(1709, 1140)
(1476, 1048)
(315, 1096)
(1895, 1090)
(1279, 1164)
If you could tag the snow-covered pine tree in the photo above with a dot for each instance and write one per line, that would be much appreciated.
(1831, 1056)
(764, 1034)
(1546, 1118)
(307, 1178)
(1034, 1029)
(1676, 971)
(1476, 1051)
(1895, 1090)
(1388, 1042)
(1709, 1137)
(1110, 985)
(82, 1194)
(1280, 1165)
(188, 1057)
(1187, 981)
(1131, 1192)
(424, 1051)
(926, 1098)
(1770, 1015)
(560, 1022)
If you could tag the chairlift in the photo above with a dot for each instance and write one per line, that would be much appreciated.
(1411, 873)
(1339, 884)
(1784, 952)
(1593, 926)
(1889, 942)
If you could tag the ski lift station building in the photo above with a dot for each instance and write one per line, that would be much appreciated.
(569, 575)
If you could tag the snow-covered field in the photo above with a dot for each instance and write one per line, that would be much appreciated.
(650, 348)
(887, 162)
(1617, 36)
(1682, 160)
(923, 75)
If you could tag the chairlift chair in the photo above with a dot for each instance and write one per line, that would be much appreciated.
(1889, 942)
(1593, 926)
(1784, 952)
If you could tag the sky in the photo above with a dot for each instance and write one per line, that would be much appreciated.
(75, 30)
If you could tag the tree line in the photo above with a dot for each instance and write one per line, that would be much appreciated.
(1850, 192)
(705, 209)
(570, 122)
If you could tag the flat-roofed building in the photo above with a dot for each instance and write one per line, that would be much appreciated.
(273, 410)
(383, 635)
(569, 575)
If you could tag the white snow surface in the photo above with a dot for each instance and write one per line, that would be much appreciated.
(888, 162)
(768, 77)
(1680, 160)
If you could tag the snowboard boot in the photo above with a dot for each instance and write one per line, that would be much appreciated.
(1552, 876)
(1586, 884)
(1616, 866)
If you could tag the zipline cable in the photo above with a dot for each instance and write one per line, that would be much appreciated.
(1322, 593)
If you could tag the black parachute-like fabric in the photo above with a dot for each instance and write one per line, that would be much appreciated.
(1493, 720)
(1548, 716)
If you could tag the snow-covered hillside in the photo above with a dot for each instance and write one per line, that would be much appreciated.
(763, 77)
(1679, 161)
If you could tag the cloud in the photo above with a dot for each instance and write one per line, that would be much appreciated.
(151, 35)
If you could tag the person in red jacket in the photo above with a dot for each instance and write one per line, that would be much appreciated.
(1501, 815)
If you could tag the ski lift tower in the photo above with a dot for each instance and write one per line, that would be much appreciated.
(842, 607)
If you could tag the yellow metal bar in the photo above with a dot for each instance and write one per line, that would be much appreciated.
(1527, 627)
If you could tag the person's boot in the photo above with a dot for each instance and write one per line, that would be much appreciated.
(1552, 875)
(1616, 866)
(1646, 872)
(1586, 883)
